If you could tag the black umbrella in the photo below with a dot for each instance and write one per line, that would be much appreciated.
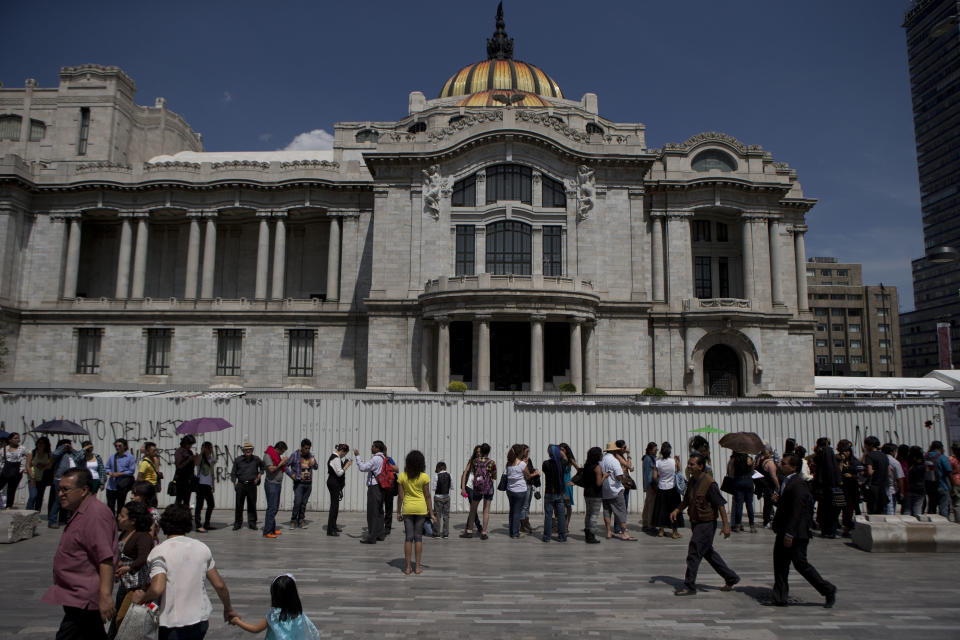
(64, 427)
(742, 442)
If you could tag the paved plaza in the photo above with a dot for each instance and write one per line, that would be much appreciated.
(524, 588)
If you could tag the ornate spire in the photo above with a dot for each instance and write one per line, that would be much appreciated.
(500, 47)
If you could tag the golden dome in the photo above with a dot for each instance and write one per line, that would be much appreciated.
(500, 72)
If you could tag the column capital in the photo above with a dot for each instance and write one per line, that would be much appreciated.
(538, 317)
(264, 213)
(210, 215)
(799, 228)
(673, 215)
(576, 320)
(442, 320)
(282, 213)
(63, 216)
(194, 215)
(657, 213)
(349, 212)
(483, 317)
(138, 215)
(755, 217)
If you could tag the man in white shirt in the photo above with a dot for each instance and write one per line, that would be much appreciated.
(895, 488)
(612, 492)
(179, 567)
(372, 467)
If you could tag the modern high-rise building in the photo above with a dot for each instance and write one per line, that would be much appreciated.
(933, 48)
(857, 325)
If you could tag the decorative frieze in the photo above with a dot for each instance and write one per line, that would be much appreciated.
(560, 127)
(92, 167)
(310, 164)
(711, 136)
(240, 164)
(193, 167)
(465, 122)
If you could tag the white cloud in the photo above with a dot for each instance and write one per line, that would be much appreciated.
(227, 96)
(264, 137)
(316, 140)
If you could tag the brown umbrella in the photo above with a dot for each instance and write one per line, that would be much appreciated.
(742, 442)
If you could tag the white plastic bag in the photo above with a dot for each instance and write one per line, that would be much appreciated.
(140, 623)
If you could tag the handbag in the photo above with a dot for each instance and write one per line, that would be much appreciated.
(839, 500)
(728, 485)
(502, 485)
(627, 481)
(172, 488)
(577, 478)
(681, 483)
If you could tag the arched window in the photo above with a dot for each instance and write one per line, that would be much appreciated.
(554, 193)
(367, 135)
(713, 159)
(594, 128)
(508, 248)
(10, 127)
(464, 192)
(509, 182)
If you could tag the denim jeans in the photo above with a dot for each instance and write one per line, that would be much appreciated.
(913, 504)
(594, 506)
(301, 494)
(525, 507)
(553, 504)
(35, 497)
(944, 501)
(515, 499)
(55, 512)
(743, 495)
(272, 491)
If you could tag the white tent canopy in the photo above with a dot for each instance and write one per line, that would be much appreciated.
(878, 386)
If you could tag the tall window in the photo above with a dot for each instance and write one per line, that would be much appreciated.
(37, 130)
(552, 250)
(464, 192)
(509, 182)
(508, 248)
(158, 351)
(723, 233)
(10, 127)
(703, 277)
(701, 231)
(84, 131)
(466, 250)
(300, 358)
(554, 193)
(88, 350)
(229, 349)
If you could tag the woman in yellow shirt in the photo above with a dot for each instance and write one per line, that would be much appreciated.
(415, 506)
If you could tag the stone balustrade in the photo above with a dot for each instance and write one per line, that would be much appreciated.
(513, 282)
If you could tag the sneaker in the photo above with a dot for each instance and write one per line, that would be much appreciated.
(53, 526)
(269, 535)
(683, 591)
(730, 585)
(237, 527)
(277, 532)
(465, 534)
(445, 536)
(302, 525)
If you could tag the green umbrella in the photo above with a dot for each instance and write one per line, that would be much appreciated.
(708, 429)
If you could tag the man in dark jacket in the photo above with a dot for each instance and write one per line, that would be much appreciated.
(704, 503)
(792, 526)
(826, 478)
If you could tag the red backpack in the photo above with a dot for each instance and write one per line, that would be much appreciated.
(386, 478)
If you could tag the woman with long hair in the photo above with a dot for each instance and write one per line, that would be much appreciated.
(770, 484)
(135, 544)
(649, 463)
(569, 466)
(916, 472)
(740, 468)
(516, 487)
(39, 472)
(94, 464)
(850, 469)
(592, 478)
(12, 465)
(205, 478)
(626, 463)
(414, 505)
(532, 476)
(665, 474)
(553, 493)
(466, 487)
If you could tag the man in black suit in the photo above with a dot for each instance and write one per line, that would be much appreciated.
(792, 526)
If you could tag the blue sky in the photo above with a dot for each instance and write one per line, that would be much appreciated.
(821, 84)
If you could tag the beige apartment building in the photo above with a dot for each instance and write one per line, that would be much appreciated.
(857, 326)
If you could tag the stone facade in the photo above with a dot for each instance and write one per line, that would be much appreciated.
(515, 244)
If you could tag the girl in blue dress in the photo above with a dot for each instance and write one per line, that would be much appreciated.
(285, 620)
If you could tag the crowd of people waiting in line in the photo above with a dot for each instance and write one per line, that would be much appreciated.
(800, 492)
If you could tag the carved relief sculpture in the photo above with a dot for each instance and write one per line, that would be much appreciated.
(586, 191)
(433, 187)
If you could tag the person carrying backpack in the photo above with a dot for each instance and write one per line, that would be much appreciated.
(484, 480)
(380, 478)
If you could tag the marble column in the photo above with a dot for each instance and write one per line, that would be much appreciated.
(480, 249)
(576, 354)
(333, 260)
(537, 252)
(776, 289)
(73, 258)
(263, 255)
(140, 256)
(483, 352)
(801, 262)
(536, 353)
(589, 359)
(657, 257)
(747, 253)
(426, 353)
(209, 255)
(123, 261)
(443, 353)
(279, 255)
(193, 257)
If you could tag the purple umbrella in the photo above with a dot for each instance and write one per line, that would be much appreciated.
(203, 425)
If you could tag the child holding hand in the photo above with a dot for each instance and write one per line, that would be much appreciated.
(285, 620)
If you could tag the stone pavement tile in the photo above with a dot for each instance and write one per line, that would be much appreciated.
(527, 589)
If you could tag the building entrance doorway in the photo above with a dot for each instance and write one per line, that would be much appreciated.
(556, 353)
(721, 371)
(509, 356)
(461, 351)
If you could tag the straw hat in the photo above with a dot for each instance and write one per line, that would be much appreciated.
(611, 446)
(247, 445)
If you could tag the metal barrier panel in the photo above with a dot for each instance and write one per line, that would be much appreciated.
(447, 426)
